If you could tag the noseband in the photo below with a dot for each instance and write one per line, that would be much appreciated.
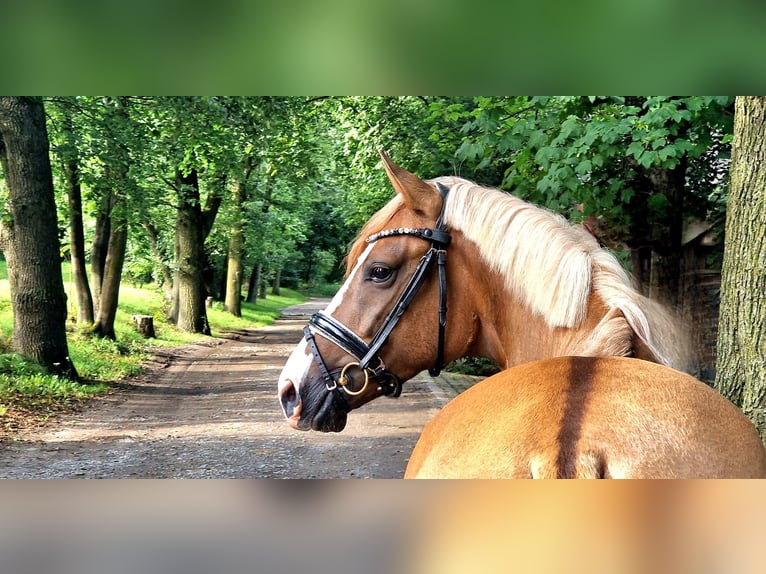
(367, 355)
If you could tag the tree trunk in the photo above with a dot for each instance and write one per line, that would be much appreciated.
(741, 367)
(173, 308)
(70, 169)
(192, 316)
(233, 302)
(665, 284)
(30, 237)
(145, 325)
(110, 288)
(167, 276)
(275, 284)
(655, 238)
(100, 245)
(255, 280)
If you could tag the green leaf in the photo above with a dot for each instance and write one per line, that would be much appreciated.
(635, 149)
(647, 158)
(585, 166)
(667, 152)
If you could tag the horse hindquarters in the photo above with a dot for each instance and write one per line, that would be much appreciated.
(589, 417)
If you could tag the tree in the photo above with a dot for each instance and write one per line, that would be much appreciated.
(67, 151)
(183, 152)
(30, 237)
(741, 368)
(117, 185)
(233, 298)
(193, 224)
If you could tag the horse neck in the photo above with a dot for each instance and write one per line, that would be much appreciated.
(510, 333)
(514, 334)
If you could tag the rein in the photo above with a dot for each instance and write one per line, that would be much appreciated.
(367, 354)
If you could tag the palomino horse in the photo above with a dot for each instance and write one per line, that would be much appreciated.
(524, 285)
(589, 417)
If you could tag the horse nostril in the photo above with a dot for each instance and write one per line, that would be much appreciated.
(288, 396)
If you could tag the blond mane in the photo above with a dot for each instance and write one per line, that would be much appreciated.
(552, 265)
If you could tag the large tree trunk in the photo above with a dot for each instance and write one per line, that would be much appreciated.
(193, 224)
(233, 302)
(741, 367)
(192, 316)
(70, 169)
(30, 237)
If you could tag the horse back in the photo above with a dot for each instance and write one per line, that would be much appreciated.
(588, 417)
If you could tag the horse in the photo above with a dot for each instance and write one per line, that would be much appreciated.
(589, 417)
(526, 285)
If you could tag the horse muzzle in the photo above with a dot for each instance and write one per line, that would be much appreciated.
(313, 408)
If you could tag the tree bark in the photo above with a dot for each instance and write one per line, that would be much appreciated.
(110, 288)
(741, 366)
(145, 325)
(30, 237)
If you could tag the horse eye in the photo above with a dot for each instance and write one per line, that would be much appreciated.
(380, 273)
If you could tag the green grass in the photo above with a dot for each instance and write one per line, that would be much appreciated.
(253, 314)
(28, 392)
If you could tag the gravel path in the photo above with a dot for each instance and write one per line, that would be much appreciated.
(209, 411)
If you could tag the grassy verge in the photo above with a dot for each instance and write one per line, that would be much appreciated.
(29, 396)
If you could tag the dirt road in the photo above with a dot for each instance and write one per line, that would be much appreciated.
(209, 411)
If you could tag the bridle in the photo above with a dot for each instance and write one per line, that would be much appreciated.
(367, 354)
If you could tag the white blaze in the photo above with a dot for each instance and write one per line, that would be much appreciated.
(300, 360)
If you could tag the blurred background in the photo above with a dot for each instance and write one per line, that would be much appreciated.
(387, 527)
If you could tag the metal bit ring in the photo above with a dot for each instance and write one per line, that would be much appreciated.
(343, 382)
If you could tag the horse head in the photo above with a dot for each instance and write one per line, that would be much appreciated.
(387, 321)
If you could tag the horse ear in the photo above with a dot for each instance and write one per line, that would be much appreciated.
(416, 193)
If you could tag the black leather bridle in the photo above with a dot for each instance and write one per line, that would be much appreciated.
(367, 356)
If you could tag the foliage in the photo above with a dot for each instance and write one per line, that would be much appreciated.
(582, 155)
